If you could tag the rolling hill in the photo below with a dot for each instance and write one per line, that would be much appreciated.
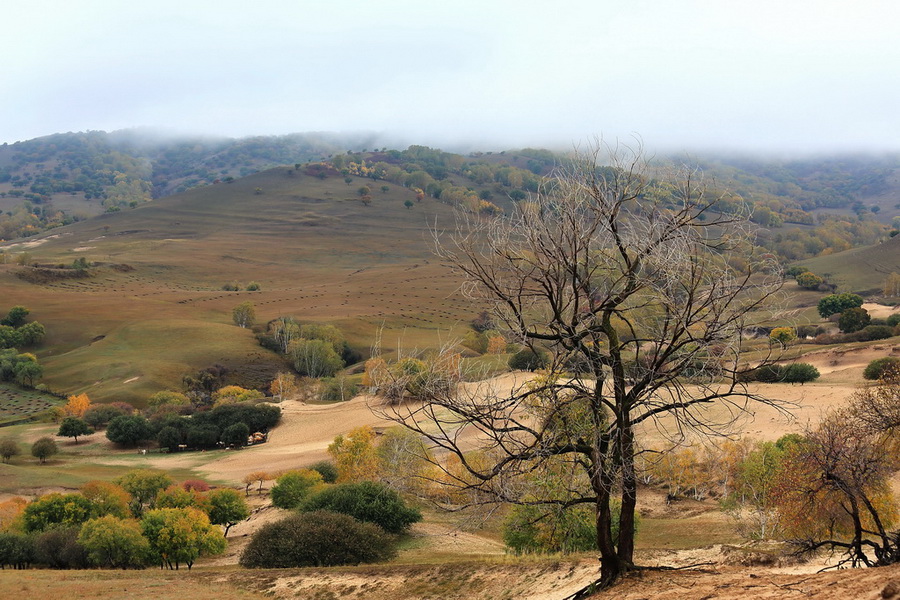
(154, 308)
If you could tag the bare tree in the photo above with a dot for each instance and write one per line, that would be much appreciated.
(836, 491)
(640, 288)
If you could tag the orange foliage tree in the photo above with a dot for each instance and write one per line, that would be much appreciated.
(77, 405)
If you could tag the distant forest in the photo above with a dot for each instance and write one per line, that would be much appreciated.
(807, 207)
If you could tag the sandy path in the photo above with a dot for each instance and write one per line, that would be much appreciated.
(301, 439)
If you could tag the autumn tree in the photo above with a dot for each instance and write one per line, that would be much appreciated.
(114, 543)
(143, 485)
(244, 314)
(284, 385)
(634, 289)
(809, 281)
(355, 455)
(227, 508)
(783, 336)
(77, 405)
(107, 498)
(835, 490)
(180, 535)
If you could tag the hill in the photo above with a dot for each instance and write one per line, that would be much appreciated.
(860, 269)
(154, 309)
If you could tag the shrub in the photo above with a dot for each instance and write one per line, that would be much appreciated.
(799, 373)
(809, 281)
(809, 331)
(764, 374)
(368, 501)
(320, 539)
(528, 360)
(880, 367)
(893, 320)
(531, 529)
(292, 488)
(870, 333)
(327, 469)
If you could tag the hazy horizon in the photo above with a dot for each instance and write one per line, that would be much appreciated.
(693, 75)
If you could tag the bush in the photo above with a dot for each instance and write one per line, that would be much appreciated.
(799, 373)
(764, 374)
(809, 281)
(893, 320)
(532, 529)
(292, 488)
(320, 539)
(870, 333)
(528, 360)
(367, 501)
(880, 367)
(327, 469)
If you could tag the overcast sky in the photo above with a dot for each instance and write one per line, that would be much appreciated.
(770, 75)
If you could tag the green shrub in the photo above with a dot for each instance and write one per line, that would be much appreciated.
(528, 360)
(536, 529)
(870, 333)
(320, 539)
(292, 488)
(893, 320)
(799, 373)
(367, 501)
(880, 367)
(764, 374)
(327, 469)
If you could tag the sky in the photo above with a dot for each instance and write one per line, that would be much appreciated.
(684, 75)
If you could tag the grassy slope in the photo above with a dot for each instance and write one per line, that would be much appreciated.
(318, 253)
(859, 269)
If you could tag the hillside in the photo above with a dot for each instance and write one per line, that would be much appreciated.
(154, 308)
(860, 269)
